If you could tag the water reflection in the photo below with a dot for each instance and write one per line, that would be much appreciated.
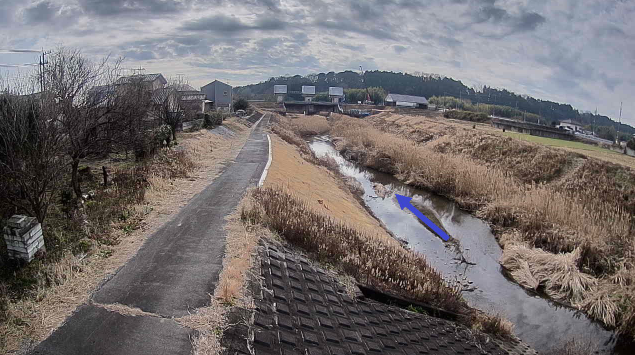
(538, 322)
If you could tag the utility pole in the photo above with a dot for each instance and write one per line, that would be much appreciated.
(594, 118)
(618, 126)
(138, 71)
(42, 63)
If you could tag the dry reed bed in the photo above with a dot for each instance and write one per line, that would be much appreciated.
(596, 234)
(354, 248)
(366, 257)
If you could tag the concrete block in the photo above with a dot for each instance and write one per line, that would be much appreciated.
(17, 221)
(23, 237)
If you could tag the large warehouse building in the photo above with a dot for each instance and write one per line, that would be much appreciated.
(406, 101)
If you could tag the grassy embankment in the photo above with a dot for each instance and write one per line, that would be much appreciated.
(86, 245)
(312, 208)
(565, 221)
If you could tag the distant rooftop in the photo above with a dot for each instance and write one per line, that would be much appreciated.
(216, 81)
(184, 87)
(142, 78)
(406, 98)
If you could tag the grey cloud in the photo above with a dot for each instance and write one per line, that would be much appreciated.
(399, 49)
(610, 82)
(361, 48)
(490, 12)
(140, 54)
(123, 7)
(269, 24)
(528, 21)
(41, 12)
(7, 10)
(221, 23)
(343, 25)
(269, 4)
(501, 21)
(49, 13)
(263, 54)
(610, 30)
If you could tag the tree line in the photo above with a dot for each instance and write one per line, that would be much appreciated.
(427, 85)
(73, 110)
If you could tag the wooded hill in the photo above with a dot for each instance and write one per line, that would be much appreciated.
(428, 86)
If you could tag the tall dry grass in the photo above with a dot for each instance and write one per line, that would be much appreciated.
(585, 240)
(363, 256)
(307, 126)
(369, 259)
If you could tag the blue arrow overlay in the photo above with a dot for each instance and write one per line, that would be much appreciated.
(405, 202)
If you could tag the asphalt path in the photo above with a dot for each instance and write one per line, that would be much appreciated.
(172, 274)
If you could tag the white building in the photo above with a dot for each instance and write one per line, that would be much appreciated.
(336, 94)
(308, 92)
(571, 125)
(280, 91)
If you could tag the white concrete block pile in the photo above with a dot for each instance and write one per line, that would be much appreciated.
(24, 238)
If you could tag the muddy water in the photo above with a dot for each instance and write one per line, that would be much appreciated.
(538, 322)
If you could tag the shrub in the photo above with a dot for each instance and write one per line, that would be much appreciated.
(466, 116)
(162, 134)
(241, 104)
(213, 119)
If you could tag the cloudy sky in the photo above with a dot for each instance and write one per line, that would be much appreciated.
(575, 51)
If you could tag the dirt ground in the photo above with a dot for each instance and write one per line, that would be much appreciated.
(35, 319)
(318, 187)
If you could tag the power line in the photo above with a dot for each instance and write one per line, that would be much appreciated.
(18, 65)
(18, 51)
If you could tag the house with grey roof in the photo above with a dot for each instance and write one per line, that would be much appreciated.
(191, 101)
(151, 81)
(220, 93)
(406, 101)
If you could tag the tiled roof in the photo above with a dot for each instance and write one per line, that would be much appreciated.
(406, 98)
(142, 78)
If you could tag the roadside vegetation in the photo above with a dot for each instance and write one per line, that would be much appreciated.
(81, 157)
(466, 116)
(332, 226)
(565, 221)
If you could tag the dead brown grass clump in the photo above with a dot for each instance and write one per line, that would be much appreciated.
(575, 347)
(492, 324)
(367, 258)
(364, 257)
(240, 255)
(307, 126)
(209, 322)
(558, 275)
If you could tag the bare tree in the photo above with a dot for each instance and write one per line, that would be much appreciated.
(31, 152)
(166, 108)
(84, 97)
(131, 108)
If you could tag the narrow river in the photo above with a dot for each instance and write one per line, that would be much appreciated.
(538, 322)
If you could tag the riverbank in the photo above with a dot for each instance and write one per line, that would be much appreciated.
(564, 221)
(312, 207)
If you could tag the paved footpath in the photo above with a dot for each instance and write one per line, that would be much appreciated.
(172, 274)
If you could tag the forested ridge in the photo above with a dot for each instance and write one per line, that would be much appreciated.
(429, 86)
